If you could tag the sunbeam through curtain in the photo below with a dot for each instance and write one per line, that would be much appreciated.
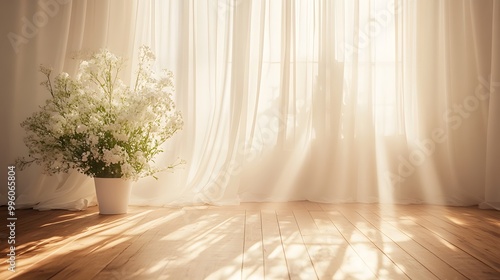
(389, 101)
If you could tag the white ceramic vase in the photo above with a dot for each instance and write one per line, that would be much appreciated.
(112, 195)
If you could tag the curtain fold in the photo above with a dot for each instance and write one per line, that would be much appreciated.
(492, 187)
(385, 101)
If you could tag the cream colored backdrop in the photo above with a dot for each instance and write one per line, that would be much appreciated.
(331, 101)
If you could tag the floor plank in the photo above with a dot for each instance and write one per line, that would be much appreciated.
(298, 261)
(275, 266)
(253, 258)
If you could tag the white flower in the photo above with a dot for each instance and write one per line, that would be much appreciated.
(93, 139)
(83, 65)
(56, 129)
(95, 153)
(85, 156)
(63, 76)
(121, 137)
(81, 128)
(139, 155)
(109, 157)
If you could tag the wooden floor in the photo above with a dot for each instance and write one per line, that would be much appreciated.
(299, 240)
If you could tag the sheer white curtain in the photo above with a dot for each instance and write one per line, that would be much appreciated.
(333, 101)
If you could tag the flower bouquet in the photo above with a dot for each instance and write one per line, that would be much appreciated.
(96, 124)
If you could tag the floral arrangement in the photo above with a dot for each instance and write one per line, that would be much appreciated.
(96, 124)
